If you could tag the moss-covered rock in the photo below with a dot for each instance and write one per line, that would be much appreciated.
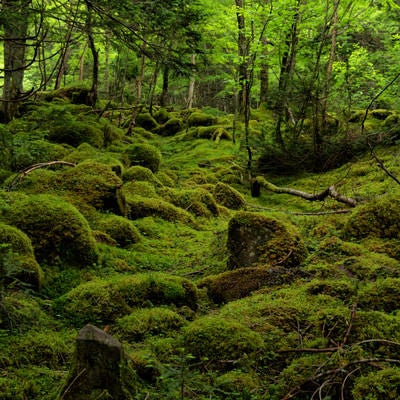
(142, 154)
(221, 343)
(198, 118)
(255, 239)
(378, 218)
(146, 121)
(120, 229)
(228, 196)
(104, 301)
(16, 240)
(170, 128)
(92, 184)
(58, 231)
(139, 188)
(140, 207)
(241, 282)
(161, 115)
(139, 173)
(148, 322)
(197, 201)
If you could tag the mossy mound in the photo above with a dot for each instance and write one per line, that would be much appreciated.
(379, 218)
(92, 184)
(198, 118)
(228, 197)
(140, 207)
(139, 188)
(104, 301)
(221, 343)
(255, 239)
(241, 282)
(214, 132)
(29, 152)
(139, 173)
(16, 240)
(146, 121)
(59, 233)
(161, 115)
(170, 128)
(197, 201)
(120, 229)
(143, 322)
(143, 154)
(76, 95)
(6, 147)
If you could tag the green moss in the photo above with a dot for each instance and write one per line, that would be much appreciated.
(166, 179)
(381, 295)
(198, 201)
(140, 207)
(378, 385)
(238, 384)
(228, 196)
(103, 301)
(256, 239)
(161, 115)
(17, 241)
(120, 229)
(200, 119)
(378, 218)
(140, 173)
(142, 154)
(221, 343)
(57, 230)
(170, 128)
(146, 121)
(139, 188)
(241, 282)
(155, 321)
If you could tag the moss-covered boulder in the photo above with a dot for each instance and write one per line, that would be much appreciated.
(144, 322)
(142, 154)
(92, 184)
(221, 343)
(18, 266)
(140, 207)
(170, 128)
(198, 118)
(104, 301)
(199, 202)
(256, 239)
(378, 218)
(139, 173)
(120, 229)
(58, 231)
(241, 282)
(161, 116)
(146, 121)
(228, 197)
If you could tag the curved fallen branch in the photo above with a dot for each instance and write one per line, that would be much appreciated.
(329, 192)
(22, 174)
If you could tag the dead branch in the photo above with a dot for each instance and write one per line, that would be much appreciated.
(312, 213)
(23, 173)
(329, 192)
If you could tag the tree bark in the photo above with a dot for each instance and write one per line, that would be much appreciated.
(15, 24)
(189, 103)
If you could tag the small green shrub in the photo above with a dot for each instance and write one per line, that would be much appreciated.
(120, 229)
(221, 343)
(144, 322)
(142, 154)
(228, 197)
(57, 230)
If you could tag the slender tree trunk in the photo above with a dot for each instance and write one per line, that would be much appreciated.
(95, 55)
(189, 103)
(264, 75)
(82, 62)
(330, 66)
(243, 53)
(164, 93)
(140, 78)
(15, 26)
(107, 66)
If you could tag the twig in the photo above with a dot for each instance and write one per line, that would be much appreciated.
(22, 174)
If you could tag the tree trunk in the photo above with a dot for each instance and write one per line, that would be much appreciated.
(264, 76)
(189, 103)
(164, 93)
(15, 25)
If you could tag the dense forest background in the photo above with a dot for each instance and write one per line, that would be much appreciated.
(199, 200)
